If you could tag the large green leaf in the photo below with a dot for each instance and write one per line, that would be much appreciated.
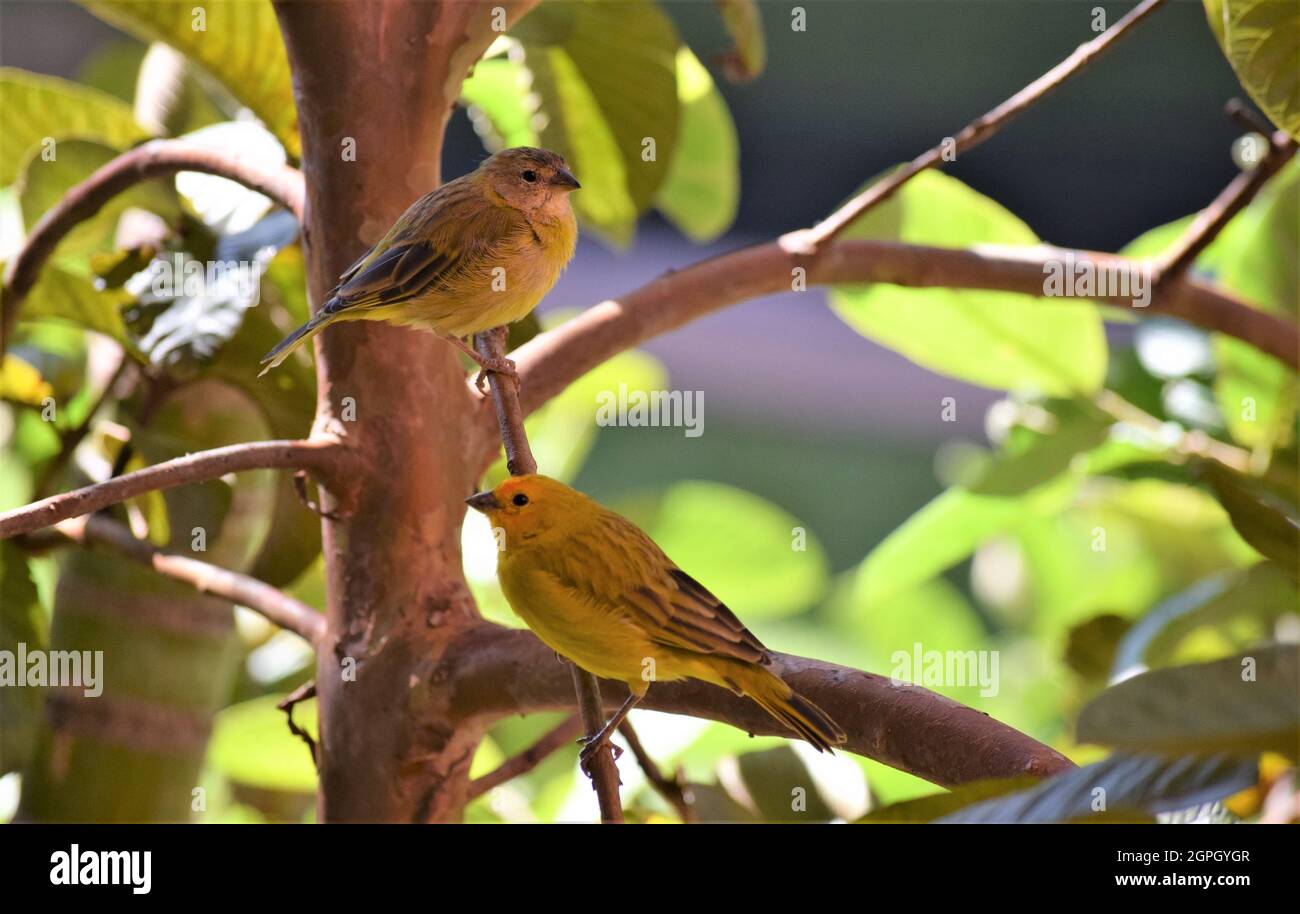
(1261, 39)
(702, 191)
(501, 107)
(34, 108)
(607, 77)
(1031, 478)
(61, 294)
(995, 339)
(239, 44)
(1243, 705)
(1257, 259)
(1122, 784)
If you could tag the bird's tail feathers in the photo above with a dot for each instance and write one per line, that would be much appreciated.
(286, 346)
(799, 714)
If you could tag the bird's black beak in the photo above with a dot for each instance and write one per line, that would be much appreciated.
(564, 178)
(483, 501)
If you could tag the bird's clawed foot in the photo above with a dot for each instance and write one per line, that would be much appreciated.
(592, 745)
(501, 366)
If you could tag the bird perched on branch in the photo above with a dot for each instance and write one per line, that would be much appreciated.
(596, 589)
(476, 253)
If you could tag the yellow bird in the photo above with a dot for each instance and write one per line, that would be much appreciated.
(476, 253)
(597, 590)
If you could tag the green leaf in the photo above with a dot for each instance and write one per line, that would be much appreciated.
(43, 184)
(22, 621)
(994, 339)
(501, 108)
(934, 806)
(1259, 516)
(1243, 705)
(1261, 594)
(1257, 259)
(61, 294)
(35, 108)
(1121, 783)
(1032, 478)
(607, 77)
(741, 548)
(702, 191)
(252, 746)
(1261, 39)
(781, 787)
(239, 44)
(744, 24)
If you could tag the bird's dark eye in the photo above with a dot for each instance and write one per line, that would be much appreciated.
(521, 499)
(529, 175)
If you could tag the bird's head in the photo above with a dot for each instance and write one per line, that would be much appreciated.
(533, 180)
(532, 509)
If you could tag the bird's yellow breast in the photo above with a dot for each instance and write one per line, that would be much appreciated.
(595, 634)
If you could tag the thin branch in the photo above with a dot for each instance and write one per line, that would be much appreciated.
(674, 790)
(520, 460)
(1230, 201)
(155, 159)
(276, 606)
(554, 740)
(505, 400)
(317, 455)
(552, 360)
(977, 131)
(499, 672)
(304, 692)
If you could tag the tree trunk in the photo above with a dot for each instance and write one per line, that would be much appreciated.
(382, 79)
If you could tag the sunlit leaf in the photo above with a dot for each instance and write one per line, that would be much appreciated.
(607, 77)
(1261, 39)
(239, 44)
(35, 107)
(1032, 479)
(995, 339)
(702, 191)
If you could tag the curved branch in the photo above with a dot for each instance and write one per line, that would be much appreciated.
(552, 360)
(155, 159)
(275, 605)
(497, 672)
(316, 455)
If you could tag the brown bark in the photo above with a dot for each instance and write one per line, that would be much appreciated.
(386, 76)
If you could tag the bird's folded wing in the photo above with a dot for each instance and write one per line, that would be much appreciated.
(402, 272)
(678, 611)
